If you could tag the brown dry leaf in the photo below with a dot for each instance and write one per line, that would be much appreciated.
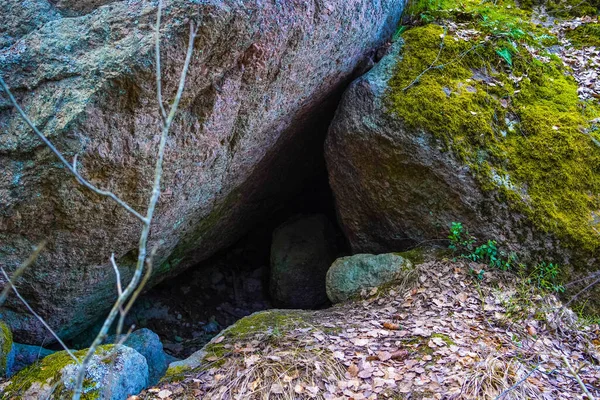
(219, 339)
(531, 330)
(353, 370)
(399, 355)
(391, 326)
(163, 394)
(250, 361)
(255, 384)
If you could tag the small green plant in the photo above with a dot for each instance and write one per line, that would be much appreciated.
(506, 55)
(488, 253)
(460, 238)
(544, 276)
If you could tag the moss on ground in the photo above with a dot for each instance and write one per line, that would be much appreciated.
(270, 325)
(585, 35)
(176, 374)
(514, 119)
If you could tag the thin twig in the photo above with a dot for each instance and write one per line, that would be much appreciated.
(432, 64)
(581, 291)
(516, 385)
(71, 167)
(11, 284)
(19, 271)
(117, 273)
(581, 384)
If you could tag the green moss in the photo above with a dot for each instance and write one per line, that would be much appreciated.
(176, 374)
(585, 35)
(6, 343)
(447, 339)
(515, 121)
(416, 255)
(48, 372)
(267, 322)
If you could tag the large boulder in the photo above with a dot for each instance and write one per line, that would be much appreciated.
(301, 253)
(148, 344)
(264, 78)
(54, 377)
(498, 142)
(349, 277)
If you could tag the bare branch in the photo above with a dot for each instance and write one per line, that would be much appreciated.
(517, 384)
(19, 271)
(10, 283)
(58, 154)
(117, 273)
(581, 384)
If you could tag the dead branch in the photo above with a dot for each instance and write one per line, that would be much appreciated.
(576, 376)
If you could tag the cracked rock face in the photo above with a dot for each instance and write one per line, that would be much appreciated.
(260, 87)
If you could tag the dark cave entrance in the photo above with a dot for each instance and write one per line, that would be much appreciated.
(191, 308)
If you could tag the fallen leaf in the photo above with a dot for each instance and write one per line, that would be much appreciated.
(399, 355)
(353, 370)
(276, 388)
(391, 326)
(219, 339)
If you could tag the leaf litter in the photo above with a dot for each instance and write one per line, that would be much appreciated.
(449, 337)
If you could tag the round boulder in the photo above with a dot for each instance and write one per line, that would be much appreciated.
(148, 344)
(301, 253)
(349, 276)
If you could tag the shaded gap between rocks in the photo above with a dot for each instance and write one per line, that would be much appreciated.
(188, 310)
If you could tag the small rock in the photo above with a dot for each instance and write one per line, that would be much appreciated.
(148, 344)
(348, 276)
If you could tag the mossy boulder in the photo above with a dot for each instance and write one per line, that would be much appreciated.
(6, 349)
(349, 277)
(302, 250)
(482, 125)
(54, 377)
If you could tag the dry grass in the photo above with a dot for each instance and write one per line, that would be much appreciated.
(276, 375)
(502, 379)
